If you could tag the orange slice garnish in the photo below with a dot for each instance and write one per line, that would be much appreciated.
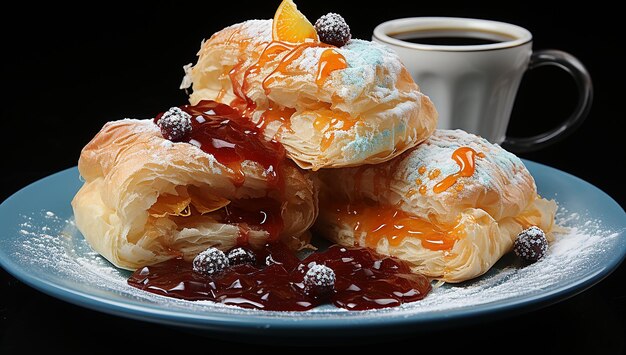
(290, 25)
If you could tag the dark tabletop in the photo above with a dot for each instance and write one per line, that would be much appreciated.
(66, 71)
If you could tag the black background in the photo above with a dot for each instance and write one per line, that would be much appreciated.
(69, 69)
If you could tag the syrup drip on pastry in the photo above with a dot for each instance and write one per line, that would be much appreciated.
(410, 193)
(294, 54)
(231, 139)
(465, 158)
(328, 122)
(256, 213)
(330, 61)
(364, 280)
(220, 130)
(276, 113)
(386, 222)
(269, 53)
(220, 95)
(242, 103)
(434, 174)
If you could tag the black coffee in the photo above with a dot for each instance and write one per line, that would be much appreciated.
(450, 41)
(452, 37)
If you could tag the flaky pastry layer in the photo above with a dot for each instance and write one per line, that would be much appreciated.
(366, 113)
(483, 213)
(128, 165)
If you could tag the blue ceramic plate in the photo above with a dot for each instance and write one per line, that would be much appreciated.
(40, 245)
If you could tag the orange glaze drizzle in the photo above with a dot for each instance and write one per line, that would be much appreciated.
(421, 170)
(220, 95)
(241, 102)
(269, 53)
(327, 141)
(276, 113)
(465, 158)
(385, 222)
(434, 173)
(328, 121)
(330, 60)
(288, 59)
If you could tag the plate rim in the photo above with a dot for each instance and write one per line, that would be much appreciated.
(232, 323)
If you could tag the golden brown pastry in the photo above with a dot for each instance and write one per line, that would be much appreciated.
(146, 199)
(329, 106)
(451, 206)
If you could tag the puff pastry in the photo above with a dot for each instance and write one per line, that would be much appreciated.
(329, 106)
(146, 199)
(451, 206)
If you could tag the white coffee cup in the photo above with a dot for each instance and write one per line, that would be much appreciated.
(473, 85)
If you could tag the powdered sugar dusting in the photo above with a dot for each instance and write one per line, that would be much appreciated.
(371, 66)
(64, 255)
(333, 29)
(259, 30)
(59, 253)
(308, 61)
(571, 256)
(496, 161)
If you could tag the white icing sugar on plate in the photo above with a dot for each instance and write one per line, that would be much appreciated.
(52, 248)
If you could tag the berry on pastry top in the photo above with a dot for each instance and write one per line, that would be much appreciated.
(290, 25)
(333, 29)
(359, 98)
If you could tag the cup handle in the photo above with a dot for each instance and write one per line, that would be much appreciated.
(582, 79)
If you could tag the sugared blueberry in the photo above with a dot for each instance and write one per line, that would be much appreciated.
(333, 29)
(175, 124)
(210, 261)
(239, 256)
(531, 244)
(319, 280)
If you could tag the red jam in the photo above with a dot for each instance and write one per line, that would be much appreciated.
(222, 132)
(263, 213)
(364, 280)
